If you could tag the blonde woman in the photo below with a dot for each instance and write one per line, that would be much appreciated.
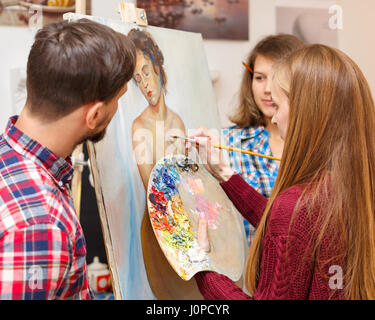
(316, 235)
(253, 129)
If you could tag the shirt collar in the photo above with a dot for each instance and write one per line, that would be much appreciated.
(252, 132)
(61, 170)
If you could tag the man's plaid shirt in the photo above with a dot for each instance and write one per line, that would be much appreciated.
(42, 246)
(259, 172)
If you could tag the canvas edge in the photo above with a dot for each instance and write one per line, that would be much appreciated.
(104, 222)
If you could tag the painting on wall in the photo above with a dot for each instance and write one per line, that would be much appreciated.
(309, 24)
(35, 12)
(215, 19)
(170, 94)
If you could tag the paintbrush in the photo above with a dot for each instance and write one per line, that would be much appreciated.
(248, 67)
(219, 146)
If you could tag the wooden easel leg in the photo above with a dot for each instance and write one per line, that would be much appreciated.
(77, 182)
(81, 6)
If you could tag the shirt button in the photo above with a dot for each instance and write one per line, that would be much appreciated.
(61, 183)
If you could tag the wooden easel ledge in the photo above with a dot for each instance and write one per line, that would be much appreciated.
(129, 13)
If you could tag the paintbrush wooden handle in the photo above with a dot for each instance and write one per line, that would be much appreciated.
(230, 148)
(244, 151)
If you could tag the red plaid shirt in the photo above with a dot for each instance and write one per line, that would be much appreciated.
(42, 246)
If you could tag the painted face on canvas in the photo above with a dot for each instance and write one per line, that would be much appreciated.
(261, 85)
(281, 115)
(148, 81)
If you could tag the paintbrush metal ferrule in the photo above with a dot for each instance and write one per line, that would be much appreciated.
(184, 138)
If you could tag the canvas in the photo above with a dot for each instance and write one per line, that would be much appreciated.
(171, 93)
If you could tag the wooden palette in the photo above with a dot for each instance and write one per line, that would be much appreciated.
(180, 190)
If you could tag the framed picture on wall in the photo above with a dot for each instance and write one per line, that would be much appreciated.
(309, 23)
(38, 13)
(214, 19)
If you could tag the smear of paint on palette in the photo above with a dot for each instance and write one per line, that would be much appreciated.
(208, 210)
(205, 208)
(195, 186)
(170, 221)
(168, 214)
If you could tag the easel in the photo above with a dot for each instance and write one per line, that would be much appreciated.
(154, 258)
(78, 156)
(163, 280)
(81, 6)
(128, 13)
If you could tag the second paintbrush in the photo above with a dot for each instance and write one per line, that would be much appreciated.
(219, 146)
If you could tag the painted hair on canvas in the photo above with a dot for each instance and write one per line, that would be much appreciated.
(146, 44)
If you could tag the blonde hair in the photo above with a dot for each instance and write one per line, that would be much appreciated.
(273, 47)
(330, 151)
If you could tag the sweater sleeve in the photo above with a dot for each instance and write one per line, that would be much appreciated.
(250, 203)
(281, 277)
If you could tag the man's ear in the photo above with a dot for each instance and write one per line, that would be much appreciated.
(94, 114)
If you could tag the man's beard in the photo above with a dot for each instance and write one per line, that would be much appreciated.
(94, 137)
(97, 137)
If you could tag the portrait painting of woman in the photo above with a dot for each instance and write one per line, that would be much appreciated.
(158, 119)
(171, 93)
(151, 139)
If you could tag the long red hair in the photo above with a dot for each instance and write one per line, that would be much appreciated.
(329, 145)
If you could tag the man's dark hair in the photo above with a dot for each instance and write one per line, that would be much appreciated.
(74, 63)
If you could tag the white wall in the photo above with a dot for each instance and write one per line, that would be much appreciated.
(16, 43)
(356, 37)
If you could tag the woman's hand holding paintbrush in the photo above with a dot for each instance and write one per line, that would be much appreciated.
(214, 161)
(211, 156)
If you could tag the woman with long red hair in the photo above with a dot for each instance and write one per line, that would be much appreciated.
(315, 236)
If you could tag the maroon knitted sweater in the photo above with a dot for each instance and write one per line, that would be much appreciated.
(281, 276)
